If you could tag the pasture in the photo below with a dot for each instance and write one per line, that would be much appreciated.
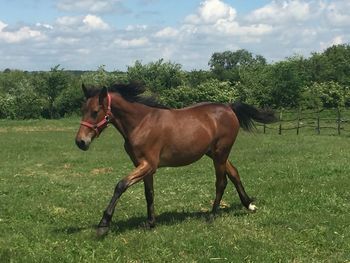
(52, 195)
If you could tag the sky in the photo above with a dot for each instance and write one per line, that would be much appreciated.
(86, 34)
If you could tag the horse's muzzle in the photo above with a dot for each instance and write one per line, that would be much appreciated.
(82, 144)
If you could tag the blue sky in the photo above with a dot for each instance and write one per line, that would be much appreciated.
(141, 11)
(84, 34)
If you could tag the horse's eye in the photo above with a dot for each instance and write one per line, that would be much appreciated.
(94, 114)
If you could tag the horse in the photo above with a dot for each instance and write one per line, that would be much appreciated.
(156, 136)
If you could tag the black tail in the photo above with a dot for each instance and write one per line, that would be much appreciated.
(247, 113)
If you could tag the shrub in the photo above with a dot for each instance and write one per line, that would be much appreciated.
(209, 91)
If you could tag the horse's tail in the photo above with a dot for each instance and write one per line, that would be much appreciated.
(247, 113)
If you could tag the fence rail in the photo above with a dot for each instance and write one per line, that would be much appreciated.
(318, 121)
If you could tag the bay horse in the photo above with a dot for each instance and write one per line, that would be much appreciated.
(156, 136)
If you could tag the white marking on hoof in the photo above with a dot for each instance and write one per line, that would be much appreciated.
(252, 207)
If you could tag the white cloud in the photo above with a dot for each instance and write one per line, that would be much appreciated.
(23, 33)
(167, 32)
(81, 24)
(46, 26)
(67, 21)
(216, 18)
(95, 22)
(338, 13)
(136, 27)
(280, 11)
(93, 6)
(85, 41)
(337, 40)
(132, 43)
(211, 11)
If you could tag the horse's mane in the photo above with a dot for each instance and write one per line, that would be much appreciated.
(132, 92)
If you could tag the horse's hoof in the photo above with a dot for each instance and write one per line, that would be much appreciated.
(211, 217)
(252, 207)
(102, 231)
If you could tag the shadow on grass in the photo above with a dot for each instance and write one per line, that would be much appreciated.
(173, 218)
(166, 218)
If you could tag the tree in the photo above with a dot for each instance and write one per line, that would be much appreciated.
(102, 77)
(56, 80)
(226, 65)
(157, 75)
(326, 94)
(331, 65)
(210, 91)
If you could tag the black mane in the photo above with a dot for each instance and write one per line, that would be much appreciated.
(132, 92)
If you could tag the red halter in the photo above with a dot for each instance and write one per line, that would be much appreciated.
(102, 124)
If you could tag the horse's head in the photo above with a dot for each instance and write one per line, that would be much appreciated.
(95, 116)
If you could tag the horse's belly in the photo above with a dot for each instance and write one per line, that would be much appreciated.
(184, 151)
(179, 159)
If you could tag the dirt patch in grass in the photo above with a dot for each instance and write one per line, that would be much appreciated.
(99, 171)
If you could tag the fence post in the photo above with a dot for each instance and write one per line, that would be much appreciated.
(264, 128)
(298, 120)
(338, 120)
(280, 127)
(318, 122)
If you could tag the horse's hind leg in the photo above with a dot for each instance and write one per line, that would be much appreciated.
(233, 175)
(220, 184)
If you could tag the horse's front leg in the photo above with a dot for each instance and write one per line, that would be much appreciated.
(140, 172)
(149, 194)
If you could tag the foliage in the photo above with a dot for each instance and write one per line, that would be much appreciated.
(322, 80)
(19, 99)
(326, 95)
(56, 80)
(211, 90)
(102, 77)
(254, 85)
(226, 65)
(70, 100)
(331, 65)
(156, 76)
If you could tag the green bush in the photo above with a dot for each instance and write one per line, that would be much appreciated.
(325, 95)
(101, 77)
(157, 76)
(209, 91)
(21, 101)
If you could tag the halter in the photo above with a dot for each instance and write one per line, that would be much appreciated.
(102, 124)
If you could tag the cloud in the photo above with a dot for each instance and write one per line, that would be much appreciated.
(81, 23)
(85, 40)
(132, 43)
(212, 11)
(167, 32)
(337, 40)
(338, 13)
(16, 36)
(95, 22)
(215, 17)
(91, 6)
(278, 12)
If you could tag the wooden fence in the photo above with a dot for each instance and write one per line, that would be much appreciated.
(323, 121)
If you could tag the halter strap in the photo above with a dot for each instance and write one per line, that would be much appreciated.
(98, 127)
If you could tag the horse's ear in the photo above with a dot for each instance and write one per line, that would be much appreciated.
(86, 93)
(103, 95)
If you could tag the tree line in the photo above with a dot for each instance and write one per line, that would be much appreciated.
(320, 81)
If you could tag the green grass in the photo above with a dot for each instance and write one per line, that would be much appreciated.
(52, 195)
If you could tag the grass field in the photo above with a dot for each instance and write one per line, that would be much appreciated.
(52, 195)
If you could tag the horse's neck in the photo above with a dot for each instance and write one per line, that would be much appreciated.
(127, 115)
